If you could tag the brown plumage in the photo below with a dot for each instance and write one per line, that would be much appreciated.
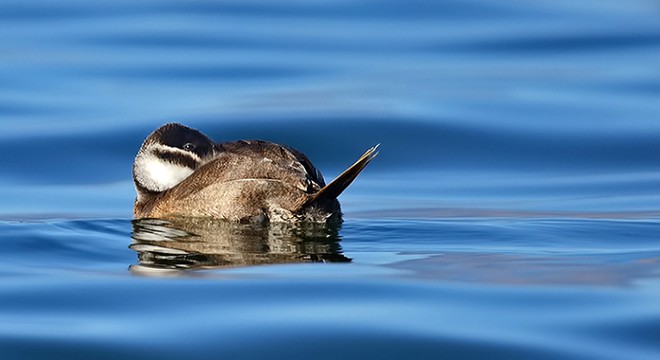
(237, 181)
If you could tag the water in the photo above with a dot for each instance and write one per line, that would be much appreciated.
(513, 210)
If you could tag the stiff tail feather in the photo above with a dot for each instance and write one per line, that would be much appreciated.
(338, 185)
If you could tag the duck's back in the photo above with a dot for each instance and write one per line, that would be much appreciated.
(248, 180)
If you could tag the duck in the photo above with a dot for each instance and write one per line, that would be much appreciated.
(180, 172)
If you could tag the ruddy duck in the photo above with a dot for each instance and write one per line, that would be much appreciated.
(181, 172)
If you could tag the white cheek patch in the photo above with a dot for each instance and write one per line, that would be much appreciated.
(157, 175)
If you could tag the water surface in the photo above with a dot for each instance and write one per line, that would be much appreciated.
(513, 210)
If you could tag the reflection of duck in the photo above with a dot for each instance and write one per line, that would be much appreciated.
(181, 172)
(198, 243)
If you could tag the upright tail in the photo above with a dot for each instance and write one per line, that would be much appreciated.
(338, 185)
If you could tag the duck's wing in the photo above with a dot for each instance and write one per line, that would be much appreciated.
(253, 159)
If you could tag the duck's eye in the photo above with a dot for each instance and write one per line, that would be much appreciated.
(189, 147)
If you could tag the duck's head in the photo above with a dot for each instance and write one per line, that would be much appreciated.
(170, 154)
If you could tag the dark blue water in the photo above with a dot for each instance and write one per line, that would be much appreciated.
(512, 212)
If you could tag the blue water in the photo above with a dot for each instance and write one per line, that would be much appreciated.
(512, 212)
